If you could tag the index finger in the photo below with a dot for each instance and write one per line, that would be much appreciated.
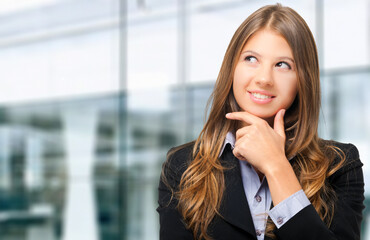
(243, 116)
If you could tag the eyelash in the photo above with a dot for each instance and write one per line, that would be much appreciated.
(289, 67)
(248, 58)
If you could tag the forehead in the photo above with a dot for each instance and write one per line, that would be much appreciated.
(267, 42)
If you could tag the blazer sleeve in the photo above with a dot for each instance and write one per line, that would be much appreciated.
(171, 221)
(348, 184)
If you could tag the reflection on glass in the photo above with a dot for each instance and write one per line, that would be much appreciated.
(32, 185)
(59, 164)
(62, 174)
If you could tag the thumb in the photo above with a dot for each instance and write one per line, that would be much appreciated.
(279, 123)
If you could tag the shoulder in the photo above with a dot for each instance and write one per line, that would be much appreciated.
(180, 156)
(178, 159)
(345, 147)
(172, 171)
(346, 152)
(181, 151)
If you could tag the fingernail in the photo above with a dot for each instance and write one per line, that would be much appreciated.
(227, 114)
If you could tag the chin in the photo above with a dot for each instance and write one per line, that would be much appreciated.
(263, 114)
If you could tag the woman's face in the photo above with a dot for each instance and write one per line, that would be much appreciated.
(265, 78)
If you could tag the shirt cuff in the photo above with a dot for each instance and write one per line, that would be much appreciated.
(289, 207)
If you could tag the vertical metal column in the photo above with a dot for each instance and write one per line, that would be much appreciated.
(80, 219)
(334, 107)
(334, 88)
(122, 122)
(319, 24)
(183, 69)
(368, 27)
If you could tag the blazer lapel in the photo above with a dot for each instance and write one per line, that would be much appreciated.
(234, 208)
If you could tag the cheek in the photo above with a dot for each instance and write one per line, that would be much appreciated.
(291, 92)
(241, 78)
(236, 82)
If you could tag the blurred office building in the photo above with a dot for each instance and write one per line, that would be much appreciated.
(93, 93)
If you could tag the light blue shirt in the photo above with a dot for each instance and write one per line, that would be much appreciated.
(259, 197)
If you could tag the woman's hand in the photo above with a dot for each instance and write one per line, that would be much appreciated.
(259, 144)
(264, 148)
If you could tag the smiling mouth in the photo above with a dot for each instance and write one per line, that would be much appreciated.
(260, 96)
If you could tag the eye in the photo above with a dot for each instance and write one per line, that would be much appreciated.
(283, 65)
(251, 59)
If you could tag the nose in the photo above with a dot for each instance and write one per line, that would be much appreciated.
(264, 77)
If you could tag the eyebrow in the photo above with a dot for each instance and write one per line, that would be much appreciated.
(259, 55)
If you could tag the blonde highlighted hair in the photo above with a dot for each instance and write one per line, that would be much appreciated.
(202, 184)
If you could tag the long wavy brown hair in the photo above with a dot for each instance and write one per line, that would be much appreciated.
(202, 184)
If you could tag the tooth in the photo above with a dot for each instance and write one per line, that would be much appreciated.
(261, 96)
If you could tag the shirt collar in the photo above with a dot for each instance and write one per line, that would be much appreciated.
(230, 139)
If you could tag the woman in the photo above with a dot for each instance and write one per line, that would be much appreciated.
(258, 169)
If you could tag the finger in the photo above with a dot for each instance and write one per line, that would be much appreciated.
(279, 123)
(241, 132)
(242, 143)
(243, 116)
(238, 155)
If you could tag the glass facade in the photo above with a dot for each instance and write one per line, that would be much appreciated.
(95, 92)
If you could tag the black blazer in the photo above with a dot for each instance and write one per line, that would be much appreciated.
(236, 222)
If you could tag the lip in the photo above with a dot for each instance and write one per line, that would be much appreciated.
(258, 100)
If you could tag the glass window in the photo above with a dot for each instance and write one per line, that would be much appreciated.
(346, 33)
(212, 25)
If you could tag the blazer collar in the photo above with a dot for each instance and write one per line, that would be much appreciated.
(234, 208)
